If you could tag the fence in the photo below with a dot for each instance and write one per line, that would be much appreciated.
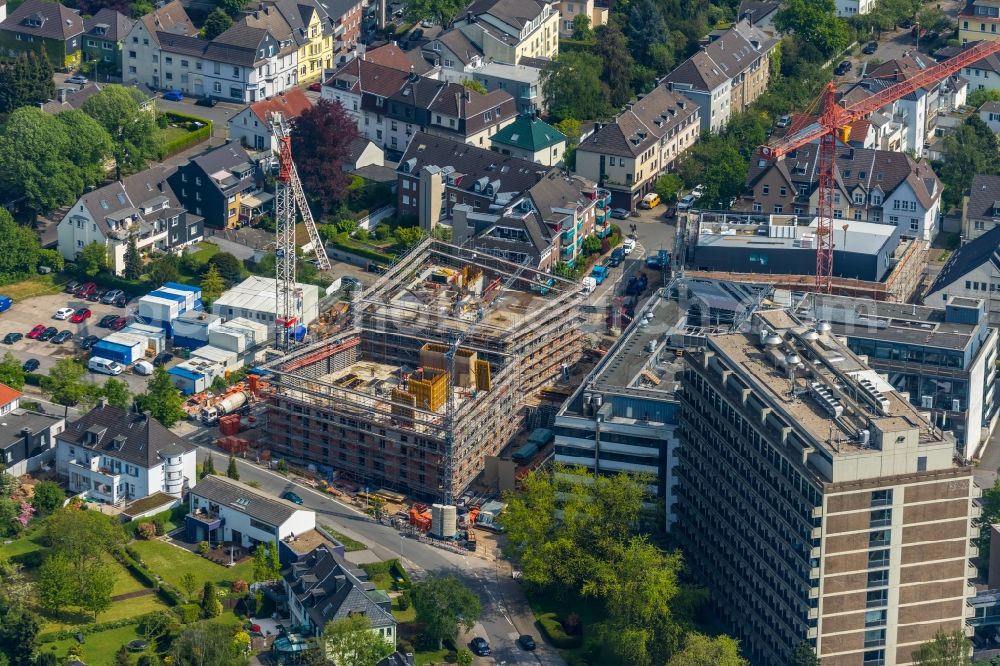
(369, 221)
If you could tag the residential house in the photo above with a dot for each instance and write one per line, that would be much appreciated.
(38, 25)
(627, 155)
(507, 30)
(972, 271)
(596, 13)
(222, 510)
(110, 455)
(989, 113)
(983, 74)
(346, 16)
(390, 55)
(252, 126)
(437, 173)
(27, 438)
(727, 75)
(978, 20)
(74, 97)
(870, 186)
(324, 587)
(141, 57)
(540, 227)
(532, 139)
(213, 183)
(760, 13)
(981, 208)
(103, 37)
(849, 8)
(142, 206)
(455, 55)
(521, 81)
(364, 153)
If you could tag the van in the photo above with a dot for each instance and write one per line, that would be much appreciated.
(651, 200)
(104, 366)
(5, 303)
(144, 368)
(628, 245)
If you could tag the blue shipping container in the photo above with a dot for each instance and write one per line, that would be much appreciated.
(115, 352)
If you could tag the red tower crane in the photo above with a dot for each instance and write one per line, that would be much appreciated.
(834, 122)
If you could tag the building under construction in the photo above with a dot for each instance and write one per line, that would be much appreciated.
(430, 375)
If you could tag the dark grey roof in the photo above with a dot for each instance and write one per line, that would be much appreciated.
(237, 46)
(337, 9)
(48, 20)
(12, 424)
(134, 438)
(108, 24)
(75, 98)
(970, 256)
(725, 58)
(984, 198)
(397, 658)
(644, 123)
(224, 158)
(756, 10)
(241, 497)
(138, 194)
(458, 43)
(516, 13)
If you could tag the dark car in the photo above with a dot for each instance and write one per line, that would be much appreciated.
(71, 286)
(618, 253)
(291, 497)
(30, 365)
(670, 213)
(11, 338)
(120, 323)
(89, 342)
(106, 320)
(416, 35)
(95, 296)
(122, 300)
(61, 337)
(84, 290)
(48, 334)
(526, 641)
(619, 213)
(162, 358)
(906, 24)
(480, 647)
(207, 101)
(843, 68)
(870, 48)
(931, 36)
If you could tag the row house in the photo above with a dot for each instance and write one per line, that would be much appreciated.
(978, 20)
(596, 13)
(877, 186)
(508, 30)
(214, 184)
(627, 155)
(727, 75)
(37, 26)
(103, 37)
(252, 126)
(142, 206)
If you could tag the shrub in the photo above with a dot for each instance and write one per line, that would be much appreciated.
(553, 629)
(571, 623)
(203, 547)
(170, 595)
(188, 613)
(403, 601)
(147, 531)
(33, 379)
(239, 586)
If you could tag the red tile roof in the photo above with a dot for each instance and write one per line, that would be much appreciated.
(8, 395)
(292, 103)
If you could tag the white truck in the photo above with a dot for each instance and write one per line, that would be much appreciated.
(588, 285)
(210, 413)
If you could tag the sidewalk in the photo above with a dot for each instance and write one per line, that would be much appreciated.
(521, 616)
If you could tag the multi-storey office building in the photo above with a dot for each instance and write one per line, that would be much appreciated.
(815, 502)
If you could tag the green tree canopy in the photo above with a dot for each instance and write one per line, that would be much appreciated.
(34, 151)
(212, 284)
(207, 644)
(65, 384)
(945, 649)
(132, 129)
(11, 372)
(92, 259)
(474, 86)
(216, 24)
(350, 641)
(230, 268)
(441, 11)
(84, 537)
(19, 629)
(162, 399)
(48, 496)
(617, 64)
(572, 87)
(133, 260)
(442, 604)
(117, 393)
(814, 22)
(165, 269)
(970, 150)
(581, 27)
(700, 650)
(980, 96)
(89, 145)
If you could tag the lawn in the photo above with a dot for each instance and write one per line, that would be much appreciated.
(380, 573)
(119, 609)
(36, 285)
(171, 563)
(99, 648)
(165, 136)
(22, 545)
(350, 545)
(427, 658)
(204, 252)
(408, 615)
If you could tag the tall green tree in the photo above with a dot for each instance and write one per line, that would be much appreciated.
(210, 604)
(645, 28)
(133, 260)
(95, 585)
(19, 629)
(945, 649)
(65, 385)
(208, 467)
(971, 149)
(189, 584)
(47, 497)
(700, 650)
(215, 24)
(117, 393)
(617, 63)
(34, 151)
(229, 267)
(805, 655)
(350, 641)
(441, 11)
(165, 269)
(814, 22)
(162, 399)
(92, 259)
(443, 604)
(212, 284)
(85, 537)
(57, 579)
(11, 372)
(89, 145)
(572, 87)
(207, 644)
(133, 129)
(233, 472)
(19, 249)
(581, 28)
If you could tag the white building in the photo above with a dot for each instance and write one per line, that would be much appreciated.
(849, 8)
(973, 271)
(224, 510)
(112, 456)
(256, 299)
(252, 126)
(141, 48)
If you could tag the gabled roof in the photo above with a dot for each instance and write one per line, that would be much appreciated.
(170, 19)
(458, 43)
(642, 124)
(240, 497)
(972, 255)
(75, 98)
(338, 9)
(990, 63)
(456, 100)
(135, 438)
(529, 132)
(361, 76)
(556, 193)
(8, 395)
(990, 107)
(47, 20)
(390, 55)
(984, 197)
(515, 13)
(291, 103)
(725, 58)
(108, 24)
(144, 191)
(757, 10)
(223, 160)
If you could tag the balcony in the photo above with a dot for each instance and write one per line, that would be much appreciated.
(602, 214)
(603, 198)
(208, 519)
(567, 251)
(568, 237)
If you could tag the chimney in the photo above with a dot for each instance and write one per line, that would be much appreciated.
(147, 414)
(341, 581)
(61, 94)
(102, 403)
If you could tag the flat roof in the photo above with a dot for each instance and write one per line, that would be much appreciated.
(749, 232)
(257, 294)
(12, 423)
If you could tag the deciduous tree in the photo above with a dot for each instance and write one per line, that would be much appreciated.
(89, 145)
(133, 129)
(443, 604)
(321, 141)
(117, 393)
(165, 269)
(230, 268)
(163, 400)
(474, 86)
(207, 644)
(47, 497)
(84, 537)
(95, 584)
(57, 582)
(92, 259)
(65, 384)
(617, 63)
(34, 151)
(11, 372)
(951, 649)
(581, 27)
(814, 22)
(442, 11)
(971, 149)
(572, 86)
(189, 584)
(700, 650)
(350, 641)
(215, 24)
(19, 628)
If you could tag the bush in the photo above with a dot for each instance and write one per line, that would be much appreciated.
(553, 629)
(188, 613)
(146, 531)
(30, 560)
(180, 143)
(144, 575)
(203, 547)
(403, 601)
(239, 586)
(33, 379)
(53, 636)
(362, 252)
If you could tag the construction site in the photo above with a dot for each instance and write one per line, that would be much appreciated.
(432, 373)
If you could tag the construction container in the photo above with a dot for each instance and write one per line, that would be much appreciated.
(122, 347)
(192, 295)
(256, 332)
(156, 337)
(155, 308)
(227, 359)
(192, 329)
(228, 338)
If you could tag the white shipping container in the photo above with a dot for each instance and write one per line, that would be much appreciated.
(127, 339)
(195, 325)
(224, 357)
(158, 309)
(256, 332)
(189, 296)
(230, 339)
(156, 338)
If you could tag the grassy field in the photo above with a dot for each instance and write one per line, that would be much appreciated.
(99, 648)
(36, 285)
(165, 136)
(118, 610)
(21, 545)
(408, 615)
(350, 545)
(171, 563)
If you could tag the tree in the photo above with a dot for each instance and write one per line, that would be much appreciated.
(212, 284)
(51, 258)
(970, 150)
(122, 658)
(89, 145)
(189, 584)
(162, 399)
(442, 11)
(617, 63)
(350, 641)
(442, 604)
(409, 236)
(165, 269)
(700, 650)
(206, 644)
(85, 537)
(95, 584)
(215, 24)
(464, 656)
(92, 259)
(814, 22)
(475, 86)
(34, 149)
(266, 563)
(48, 496)
(65, 385)
(208, 467)
(645, 27)
(19, 630)
(57, 578)
(443, 233)
(572, 86)
(117, 393)
(233, 7)
(805, 655)
(668, 185)
(233, 472)
(581, 28)
(210, 604)
(11, 372)
(132, 129)
(951, 649)
(19, 248)
(133, 260)
(16, 589)
(321, 141)
(230, 268)
(23, 82)
(980, 96)
(9, 511)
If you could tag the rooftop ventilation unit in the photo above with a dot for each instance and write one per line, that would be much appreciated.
(824, 396)
(869, 389)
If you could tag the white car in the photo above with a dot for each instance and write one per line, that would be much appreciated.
(64, 313)
(628, 245)
(698, 191)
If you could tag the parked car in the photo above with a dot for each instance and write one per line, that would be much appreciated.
(89, 342)
(96, 295)
(30, 365)
(206, 101)
(843, 68)
(619, 213)
(291, 497)
(84, 290)
(11, 338)
(80, 315)
(173, 96)
(162, 359)
(480, 647)
(783, 121)
(61, 337)
(106, 320)
(870, 48)
(48, 334)
(670, 213)
(931, 36)
(416, 35)
(77, 79)
(144, 368)
(686, 202)
(906, 24)
(119, 323)
(110, 295)
(71, 286)
(122, 300)
(36, 331)
(526, 642)
(316, 87)
(63, 313)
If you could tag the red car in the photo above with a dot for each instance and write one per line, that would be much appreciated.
(118, 324)
(36, 331)
(85, 290)
(80, 315)
(315, 87)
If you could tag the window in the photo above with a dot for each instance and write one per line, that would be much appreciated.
(882, 497)
(876, 598)
(131, 69)
(766, 189)
(881, 517)
(169, 60)
(184, 63)
(236, 72)
(878, 578)
(406, 200)
(914, 224)
(874, 658)
(874, 638)
(921, 463)
(217, 87)
(880, 537)
(783, 191)
(756, 207)
(778, 208)
(878, 558)
(236, 92)
(131, 54)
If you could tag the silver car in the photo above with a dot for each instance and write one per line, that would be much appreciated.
(109, 297)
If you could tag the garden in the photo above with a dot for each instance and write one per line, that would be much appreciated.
(178, 131)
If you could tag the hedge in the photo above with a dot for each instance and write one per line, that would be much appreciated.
(362, 252)
(169, 595)
(180, 143)
(33, 378)
(553, 629)
(53, 636)
(188, 613)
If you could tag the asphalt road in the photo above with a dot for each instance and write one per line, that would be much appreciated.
(496, 623)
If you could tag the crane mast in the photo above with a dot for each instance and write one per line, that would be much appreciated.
(289, 197)
(834, 122)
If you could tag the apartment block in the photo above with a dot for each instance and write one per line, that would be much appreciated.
(978, 20)
(815, 502)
